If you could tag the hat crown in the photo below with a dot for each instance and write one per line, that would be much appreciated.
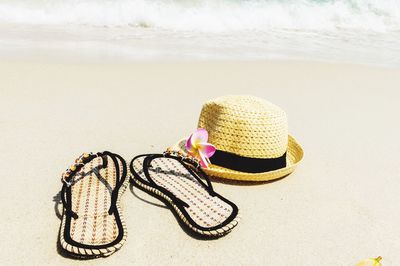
(245, 125)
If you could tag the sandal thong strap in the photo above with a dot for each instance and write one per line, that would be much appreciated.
(195, 168)
(119, 183)
(69, 178)
(191, 164)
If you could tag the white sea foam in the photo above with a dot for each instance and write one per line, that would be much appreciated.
(209, 15)
(353, 31)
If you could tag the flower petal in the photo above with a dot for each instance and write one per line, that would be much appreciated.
(208, 149)
(201, 135)
(188, 144)
(203, 160)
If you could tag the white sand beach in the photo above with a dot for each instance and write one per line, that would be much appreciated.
(338, 207)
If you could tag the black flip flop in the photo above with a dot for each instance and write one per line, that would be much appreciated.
(177, 181)
(92, 224)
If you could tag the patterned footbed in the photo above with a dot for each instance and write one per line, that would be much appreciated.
(91, 200)
(205, 210)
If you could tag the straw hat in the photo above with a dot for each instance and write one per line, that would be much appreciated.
(251, 138)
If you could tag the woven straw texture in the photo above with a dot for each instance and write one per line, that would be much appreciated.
(246, 126)
(91, 200)
(251, 127)
(205, 210)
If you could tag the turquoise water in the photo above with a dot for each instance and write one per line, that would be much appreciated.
(360, 31)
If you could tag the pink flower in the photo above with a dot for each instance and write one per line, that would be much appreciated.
(197, 146)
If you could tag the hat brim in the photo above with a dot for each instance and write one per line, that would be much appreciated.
(294, 155)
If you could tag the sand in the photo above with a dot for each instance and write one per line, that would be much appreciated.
(340, 205)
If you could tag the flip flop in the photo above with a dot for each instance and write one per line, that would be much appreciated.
(177, 181)
(92, 224)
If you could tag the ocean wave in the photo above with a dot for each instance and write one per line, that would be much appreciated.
(209, 15)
